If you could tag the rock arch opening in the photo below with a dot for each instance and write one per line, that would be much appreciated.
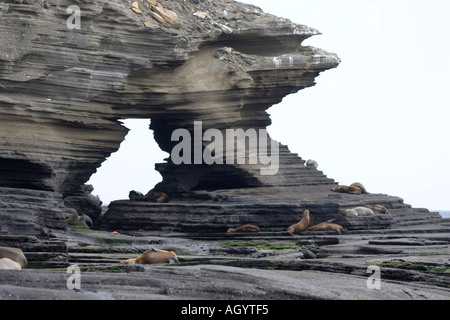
(132, 167)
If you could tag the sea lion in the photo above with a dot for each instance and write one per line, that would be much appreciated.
(340, 189)
(326, 226)
(163, 198)
(135, 196)
(354, 190)
(348, 212)
(8, 264)
(378, 208)
(244, 228)
(74, 217)
(360, 186)
(312, 164)
(347, 189)
(153, 256)
(363, 211)
(156, 196)
(301, 225)
(151, 196)
(14, 254)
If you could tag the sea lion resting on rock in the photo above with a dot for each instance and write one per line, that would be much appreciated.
(156, 196)
(14, 254)
(312, 164)
(244, 228)
(363, 211)
(348, 212)
(301, 225)
(135, 196)
(360, 186)
(347, 189)
(326, 226)
(151, 196)
(75, 217)
(360, 211)
(8, 264)
(153, 256)
(378, 208)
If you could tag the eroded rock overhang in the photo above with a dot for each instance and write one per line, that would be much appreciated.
(63, 90)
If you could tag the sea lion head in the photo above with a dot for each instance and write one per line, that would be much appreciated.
(306, 214)
(173, 259)
(135, 195)
(171, 256)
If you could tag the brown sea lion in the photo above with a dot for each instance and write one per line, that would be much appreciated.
(325, 226)
(378, 208)
(156, 196)
(153, 256)
(340, 189)
(135, 196)
(301, 225)
(151, 196)
(14, 254)
(347, 189)
(163, 198)
(354, 190)
(360, 186)
(244, 228)
(75, 217)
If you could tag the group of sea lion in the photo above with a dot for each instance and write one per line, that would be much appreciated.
(152, 256)
(151, 196)
(358, 188)
(354, 188)
(303, 225)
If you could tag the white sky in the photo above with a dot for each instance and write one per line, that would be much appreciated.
(380, 118)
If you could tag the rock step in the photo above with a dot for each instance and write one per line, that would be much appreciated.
(88, 258)
(218, 217)
(31, 212)
(40, 253)
(321, 265)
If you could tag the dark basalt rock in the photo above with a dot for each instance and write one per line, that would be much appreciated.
(63, 92)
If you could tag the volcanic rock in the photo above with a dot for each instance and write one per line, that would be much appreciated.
(222, 64)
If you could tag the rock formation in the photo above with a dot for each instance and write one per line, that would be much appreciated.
(70, 73)
(64, 88)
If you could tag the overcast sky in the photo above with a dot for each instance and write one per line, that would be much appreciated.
(380, 118)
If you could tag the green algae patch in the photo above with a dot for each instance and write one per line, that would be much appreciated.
(407, 265)
(261, 244)
(80, 226)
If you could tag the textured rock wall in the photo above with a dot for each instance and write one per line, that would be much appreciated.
(63, 90)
